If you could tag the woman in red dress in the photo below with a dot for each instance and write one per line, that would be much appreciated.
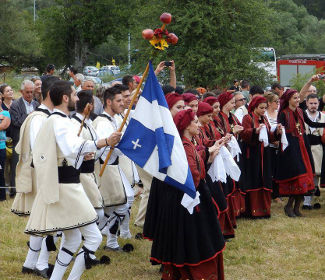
(175, 103)
(191, 101)
(295, 170)
(229, 124)
(188, 245)
(208, 136)
(256, 176)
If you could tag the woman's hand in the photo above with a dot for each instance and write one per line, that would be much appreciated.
(237, 128)
(259, 128)
(279, 129)
(214, 154)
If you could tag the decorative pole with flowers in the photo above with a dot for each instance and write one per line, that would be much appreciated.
(159, 39)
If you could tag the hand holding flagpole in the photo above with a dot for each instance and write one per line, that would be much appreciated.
(135, 96)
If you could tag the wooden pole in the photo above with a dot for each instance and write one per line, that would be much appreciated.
(86, 113)
(135, 96)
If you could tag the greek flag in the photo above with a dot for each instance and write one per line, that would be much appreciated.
(152, 141)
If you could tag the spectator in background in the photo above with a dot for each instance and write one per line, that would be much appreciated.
(129, 81)
(37, 89)
(19, 111)
(201, 91)
(79, 78)
(4, 124)
(255, 91)
(308, 89)
(245, 87)
(168, 89)
(7, 96)
(172, 72)
(277, 89)
(50, 68)
(208, 94)
(88, 84)
(179, 90)
(137, 80)
(235, 87)
(240, 106)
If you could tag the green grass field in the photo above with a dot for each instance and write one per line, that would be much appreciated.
(278, 248)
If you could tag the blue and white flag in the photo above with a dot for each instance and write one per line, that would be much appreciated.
(152, 141)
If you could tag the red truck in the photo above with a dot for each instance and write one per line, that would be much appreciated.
(288, 66)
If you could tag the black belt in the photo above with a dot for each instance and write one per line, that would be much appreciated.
(314, 140)
(114, 163)
(68, 175)
(88, 166)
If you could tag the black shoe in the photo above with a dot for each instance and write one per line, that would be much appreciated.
(43, 273)
(46, 272)
(317, 206)
(289, 212)
(307, 207)
(26, 270)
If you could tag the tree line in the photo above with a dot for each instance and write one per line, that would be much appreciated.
(216, 37)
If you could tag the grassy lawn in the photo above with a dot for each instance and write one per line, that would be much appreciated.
(278, 248)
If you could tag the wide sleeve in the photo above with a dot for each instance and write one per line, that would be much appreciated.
(104, 130)
(190, 154)
(311, 123)
(72, 146)
(248, 135)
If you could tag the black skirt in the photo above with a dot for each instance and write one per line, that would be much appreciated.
(256, 168)
(217, 194)
(180, 238)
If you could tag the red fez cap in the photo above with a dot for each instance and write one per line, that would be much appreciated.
(284, 100)
(255, 102)
(210, 100)
(183, 119)
(172, 99)
(204, 108)
(189, 97)
(224, 98)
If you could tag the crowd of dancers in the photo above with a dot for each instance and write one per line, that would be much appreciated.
(245, 148)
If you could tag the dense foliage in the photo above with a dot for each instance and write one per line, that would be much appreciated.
(216, 36)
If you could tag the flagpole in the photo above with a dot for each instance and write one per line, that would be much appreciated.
(135, 96)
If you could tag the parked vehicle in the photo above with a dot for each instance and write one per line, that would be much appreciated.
(90, 71)
(104, 71)
(292, 64)
(115, 69)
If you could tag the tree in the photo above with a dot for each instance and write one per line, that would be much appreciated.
(215, 39)
(314, 7)
(20, 43)
(69, 29)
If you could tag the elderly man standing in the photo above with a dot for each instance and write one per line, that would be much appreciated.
(88, 84)
(19, 111)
